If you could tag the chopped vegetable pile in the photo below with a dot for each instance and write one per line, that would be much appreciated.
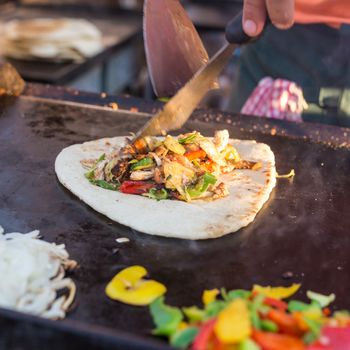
(259, 319)
(253, 320)
(184, 168)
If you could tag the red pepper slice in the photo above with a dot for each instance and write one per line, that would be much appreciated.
(286, 323)
(136, 187)
(274, 341)
(278, 304)
(326, 311)
(192, 155)
(333, 338)
(206, 338)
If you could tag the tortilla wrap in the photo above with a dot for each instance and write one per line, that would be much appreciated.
(200, 219)
(51, 39)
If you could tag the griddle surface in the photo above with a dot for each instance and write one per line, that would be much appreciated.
(303, 229)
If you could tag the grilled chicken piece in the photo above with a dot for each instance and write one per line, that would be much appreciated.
(209, 148)
(228, 168)
(156, 158)
(191, 147)
(221, 139)
(220, 191)
(142, 175)
(99, 171)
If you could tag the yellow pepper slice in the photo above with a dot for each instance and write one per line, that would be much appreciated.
(276, 292)
(209, 296)
(129, 287)
(183, 325)
(313, 314)
(233, 324)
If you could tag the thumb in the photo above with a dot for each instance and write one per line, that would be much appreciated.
(254, 16)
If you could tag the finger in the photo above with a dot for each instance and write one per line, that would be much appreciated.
(281, 12)
(254, 16)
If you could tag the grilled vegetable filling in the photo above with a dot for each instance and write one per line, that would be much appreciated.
(185, 168)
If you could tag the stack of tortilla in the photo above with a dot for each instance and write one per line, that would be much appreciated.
(51, 39)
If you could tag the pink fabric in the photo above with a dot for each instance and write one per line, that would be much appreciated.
(277, 99)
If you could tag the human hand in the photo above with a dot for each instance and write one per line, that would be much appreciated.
(281, 13)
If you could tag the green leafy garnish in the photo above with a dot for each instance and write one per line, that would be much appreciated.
(269, 326)
(201, 186)
(158, 195)
(166, 318)
(102, 157)
(188, 139)
(144, 163)
(91, 173)
(108, 169)
(295, 305)
(315, 330)
(214, 308)
(194, 313)
(309, 338)
(196, 163)
(106, 185)
(238, 293)
(322, 300)
(254, 308)
(183, 338)
(248, 344)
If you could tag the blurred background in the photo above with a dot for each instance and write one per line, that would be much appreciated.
(104, 53)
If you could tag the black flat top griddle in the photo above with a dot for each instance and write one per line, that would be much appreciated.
(302, 232)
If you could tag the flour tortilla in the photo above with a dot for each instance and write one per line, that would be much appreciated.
(51, 39)
(50, 29)
(200, 219)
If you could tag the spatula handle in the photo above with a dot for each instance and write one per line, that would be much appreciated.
(235, 33)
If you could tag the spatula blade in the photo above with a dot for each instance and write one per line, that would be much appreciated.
(176, 112)
(174, 50)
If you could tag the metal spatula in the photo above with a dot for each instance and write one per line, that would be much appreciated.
(173, 47)
(179, 108)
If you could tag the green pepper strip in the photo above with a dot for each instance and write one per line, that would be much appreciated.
(142, 164)
(158, 194)
(104, 184)
(315, 330)
(268, 326)
(201, 186)
(91, 173)
(188, 139)
(254, 308)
